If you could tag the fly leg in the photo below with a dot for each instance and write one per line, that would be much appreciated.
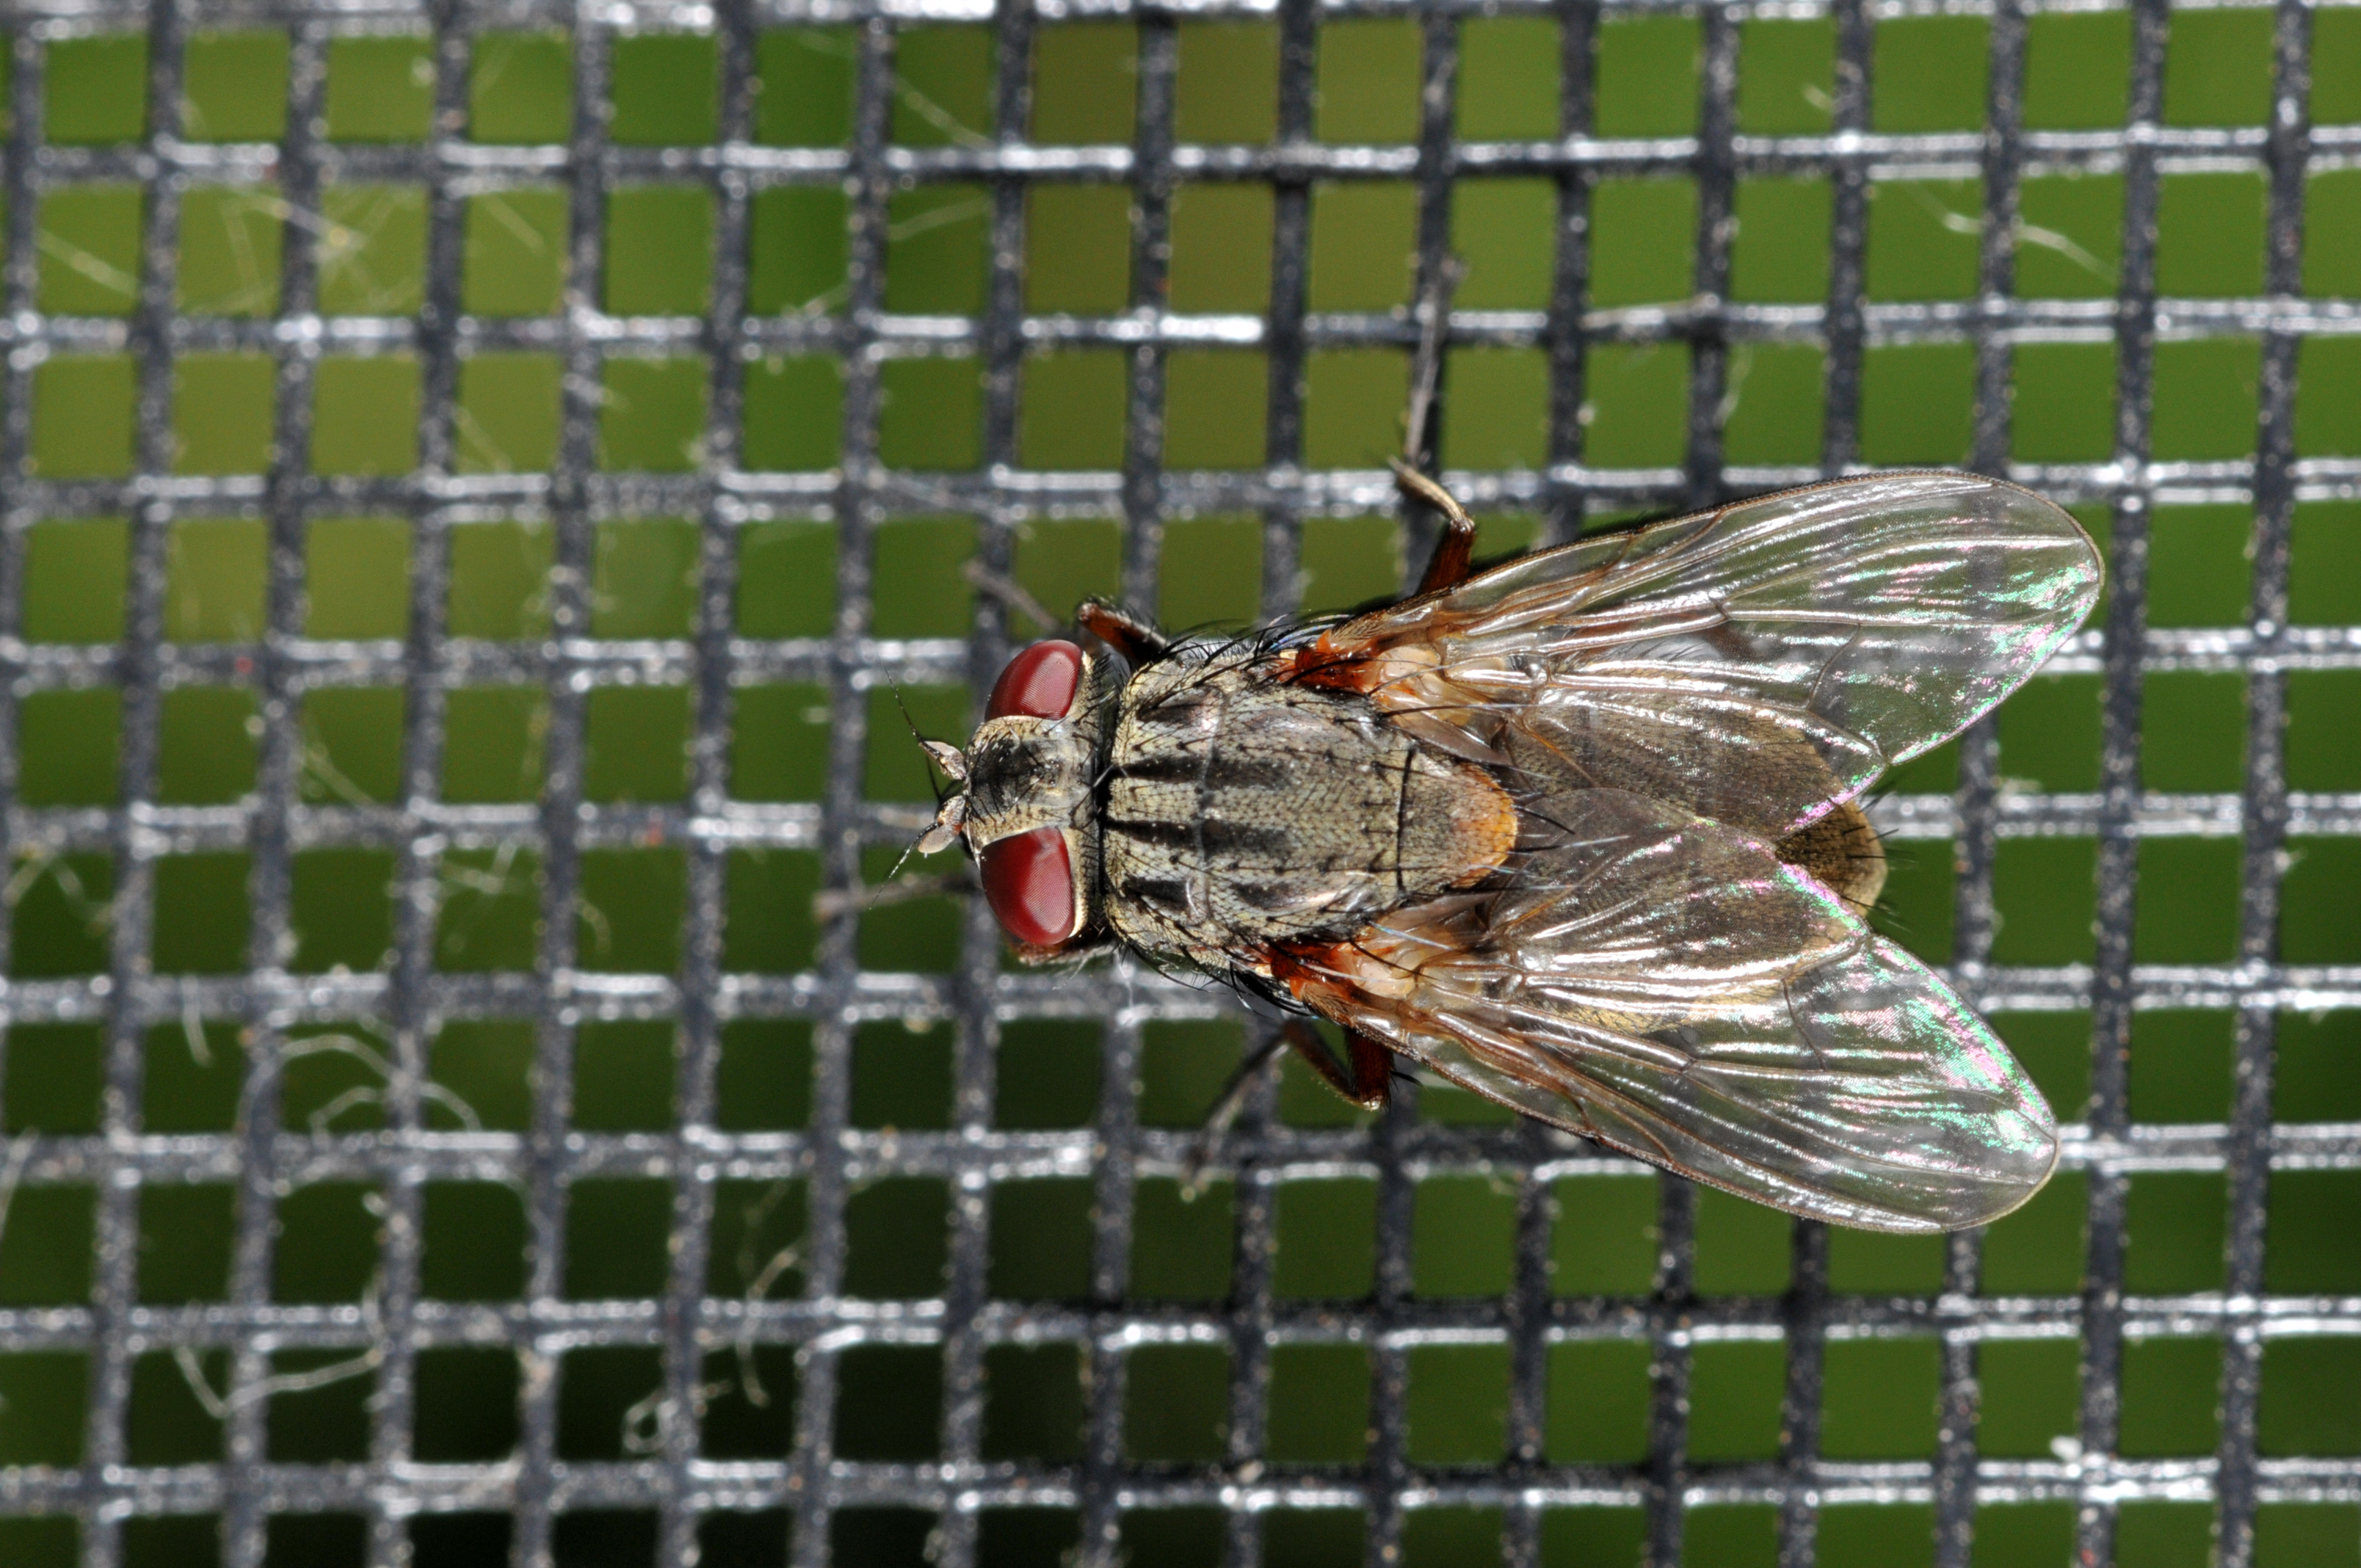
(1128, 635)
(1364, 1078)
(1454, 547)
(828, 905)
(1136, 640)
(1226, 1106)
(1010, 593)
(1364, 1075)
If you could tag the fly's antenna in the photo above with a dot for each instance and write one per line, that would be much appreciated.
(924, 745)
(916, 733)
(949, 827)
(950, 810)
(904, 858)
(948, 757)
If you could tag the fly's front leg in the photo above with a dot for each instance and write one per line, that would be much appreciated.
(1364, 1075)
(1010, 595)
(1134, 639)
(1128, 635)
(1454, 547)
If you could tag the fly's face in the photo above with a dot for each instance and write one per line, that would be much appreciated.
(1026, 809)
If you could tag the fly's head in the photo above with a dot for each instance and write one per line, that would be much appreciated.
(1025, 803)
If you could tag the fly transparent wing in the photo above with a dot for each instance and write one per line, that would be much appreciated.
(1754, 663)
(1666, 986)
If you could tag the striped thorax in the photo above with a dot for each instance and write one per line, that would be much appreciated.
(1242, 811)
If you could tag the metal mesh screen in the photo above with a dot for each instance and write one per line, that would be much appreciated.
(667, 1490)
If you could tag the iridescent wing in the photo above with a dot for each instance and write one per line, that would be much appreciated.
(1756, 664)
(1665, 986)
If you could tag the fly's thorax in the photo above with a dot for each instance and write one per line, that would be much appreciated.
(1243, 811)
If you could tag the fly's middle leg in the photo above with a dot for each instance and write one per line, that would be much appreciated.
(1363, 1074)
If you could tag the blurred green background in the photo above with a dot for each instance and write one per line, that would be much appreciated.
(1917, 409)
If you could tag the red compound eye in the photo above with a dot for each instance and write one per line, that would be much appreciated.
(1039, 683)
(1029, 883)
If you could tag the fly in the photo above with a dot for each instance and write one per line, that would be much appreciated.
(1581, 833)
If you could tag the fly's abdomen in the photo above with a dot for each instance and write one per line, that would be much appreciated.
(1240, 812)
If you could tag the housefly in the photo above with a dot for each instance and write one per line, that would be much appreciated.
(1581, 833)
